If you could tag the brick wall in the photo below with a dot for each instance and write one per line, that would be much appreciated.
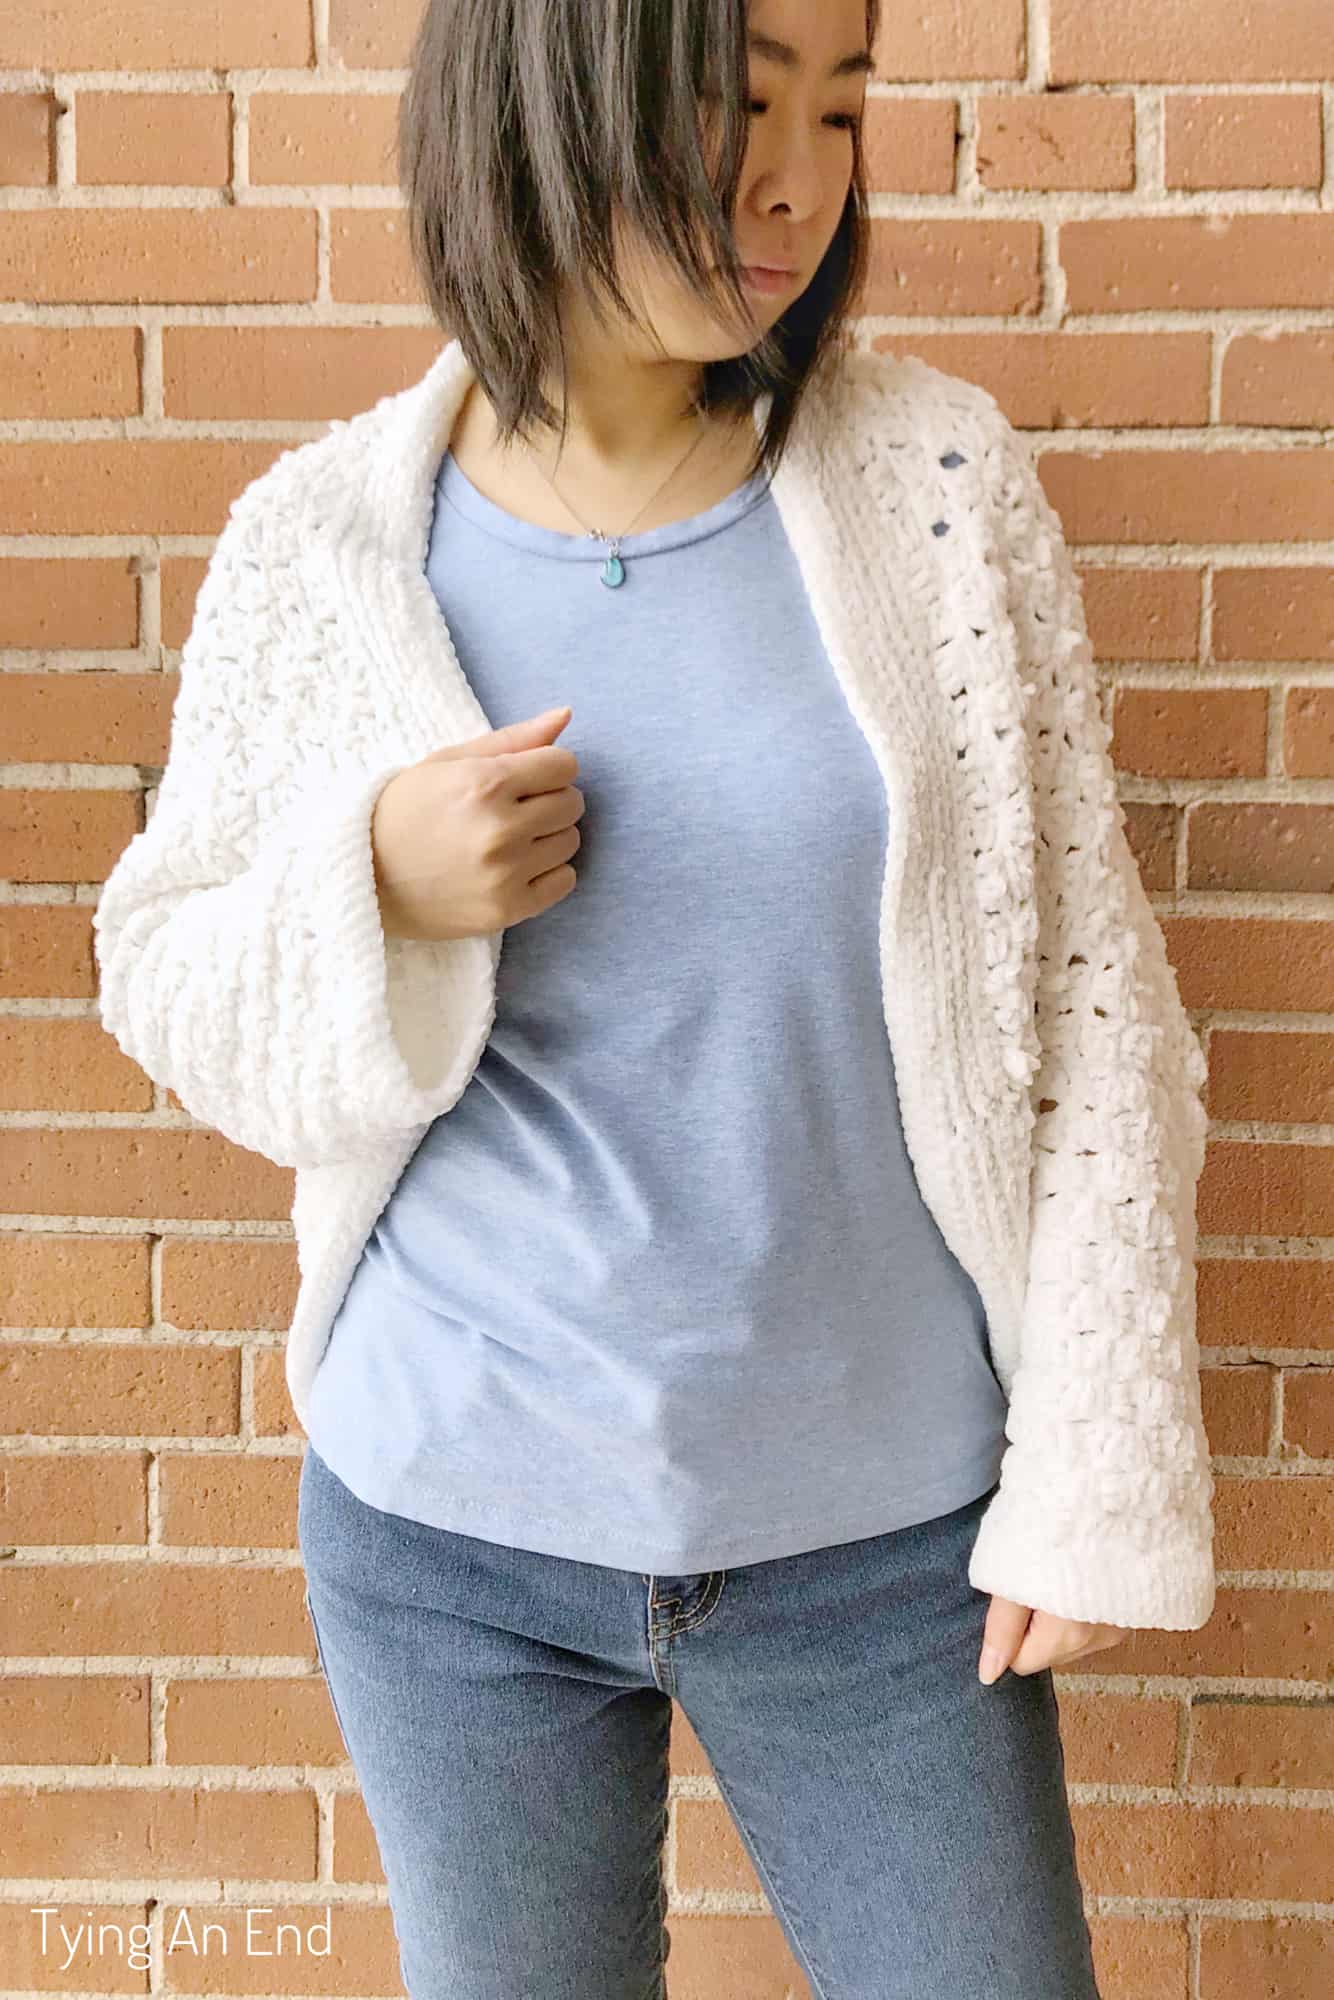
(1120, 219)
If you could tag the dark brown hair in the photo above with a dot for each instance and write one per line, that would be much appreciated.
(524, 121)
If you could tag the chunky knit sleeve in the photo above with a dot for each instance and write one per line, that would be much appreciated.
(1104, 1508)
(241, 959)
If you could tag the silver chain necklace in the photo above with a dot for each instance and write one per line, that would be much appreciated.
(612, 572)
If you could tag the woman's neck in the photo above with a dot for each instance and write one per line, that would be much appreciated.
(604, 491)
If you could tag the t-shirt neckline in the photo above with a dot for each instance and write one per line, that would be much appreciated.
(454, 486)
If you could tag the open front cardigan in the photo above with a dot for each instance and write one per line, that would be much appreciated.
(1049, 1078)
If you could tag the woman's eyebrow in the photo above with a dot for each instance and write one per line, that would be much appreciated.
(853, 64)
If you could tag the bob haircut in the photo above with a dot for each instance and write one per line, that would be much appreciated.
(525, 121)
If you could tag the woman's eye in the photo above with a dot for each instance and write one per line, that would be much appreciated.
(845, 121)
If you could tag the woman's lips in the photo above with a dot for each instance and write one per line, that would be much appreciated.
(762, 278)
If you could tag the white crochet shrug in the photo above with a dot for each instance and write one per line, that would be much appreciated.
(1049, 1076)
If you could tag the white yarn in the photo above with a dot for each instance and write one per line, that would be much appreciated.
(1049, 1077)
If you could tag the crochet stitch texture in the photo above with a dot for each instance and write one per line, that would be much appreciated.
(1050, 1080)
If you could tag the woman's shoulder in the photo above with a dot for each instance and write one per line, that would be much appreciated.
(274, 510)
(901, 400)
(885, 376)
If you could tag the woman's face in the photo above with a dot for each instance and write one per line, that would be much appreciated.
(804, 106)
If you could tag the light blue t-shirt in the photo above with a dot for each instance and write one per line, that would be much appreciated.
(660, 1291)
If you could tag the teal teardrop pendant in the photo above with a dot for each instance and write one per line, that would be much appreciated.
(613, 572)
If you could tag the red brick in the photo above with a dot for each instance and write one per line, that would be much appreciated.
(1261, 964)
(1264, 845)
(1216, 141)
(1280, 376)
(190, 34)
(154, 138)
(1162, 41)
(1060, 381)
(1191, 732)
(55, 372)
(28, 138)
(1204, 263)
(1036, 139)
(1308, 732)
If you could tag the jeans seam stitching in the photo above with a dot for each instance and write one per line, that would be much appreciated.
(709, 1603)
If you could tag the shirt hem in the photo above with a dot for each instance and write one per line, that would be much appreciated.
(456, 1514)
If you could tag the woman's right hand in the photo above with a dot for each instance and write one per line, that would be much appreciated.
(478, 835)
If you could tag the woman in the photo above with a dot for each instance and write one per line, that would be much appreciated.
(663, 1319)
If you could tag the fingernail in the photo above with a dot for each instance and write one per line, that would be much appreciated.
(990, 1666)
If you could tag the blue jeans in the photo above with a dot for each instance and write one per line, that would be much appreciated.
(507, 1715)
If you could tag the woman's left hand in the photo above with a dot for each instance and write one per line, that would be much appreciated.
(1026, 1641)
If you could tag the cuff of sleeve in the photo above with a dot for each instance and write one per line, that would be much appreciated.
(1103, 1580)
(376, 1073)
